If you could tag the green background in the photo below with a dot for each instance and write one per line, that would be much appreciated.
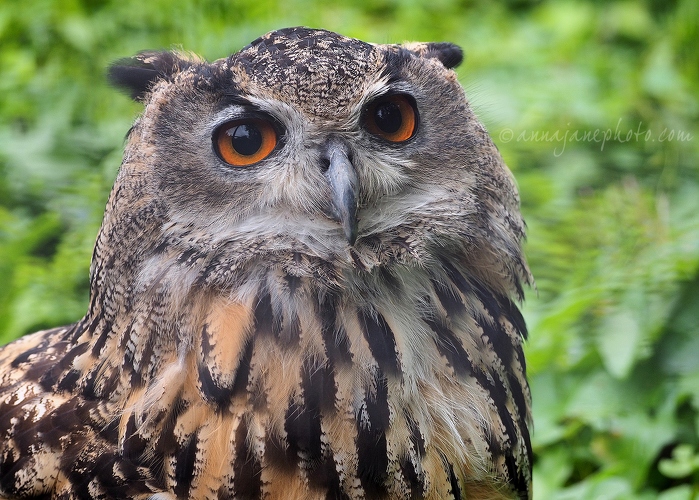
(613, 218)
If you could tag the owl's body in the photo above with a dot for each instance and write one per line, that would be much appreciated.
(333, 319)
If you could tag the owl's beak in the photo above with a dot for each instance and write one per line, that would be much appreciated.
(342, 178)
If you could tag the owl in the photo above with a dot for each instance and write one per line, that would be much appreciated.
(305, 286)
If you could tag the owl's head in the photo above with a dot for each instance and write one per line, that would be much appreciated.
(311, 153)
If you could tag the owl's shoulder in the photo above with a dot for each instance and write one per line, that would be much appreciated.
(30, 358)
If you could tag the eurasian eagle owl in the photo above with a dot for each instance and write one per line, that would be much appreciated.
(304, 287)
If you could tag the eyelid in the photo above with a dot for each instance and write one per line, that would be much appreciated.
(238, 108)
(248, 111)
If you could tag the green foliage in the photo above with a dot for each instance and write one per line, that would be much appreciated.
(594, 107)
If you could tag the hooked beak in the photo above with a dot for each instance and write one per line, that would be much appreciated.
(343, 183)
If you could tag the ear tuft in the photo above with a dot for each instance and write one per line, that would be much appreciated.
(447, 53)
(136, 75)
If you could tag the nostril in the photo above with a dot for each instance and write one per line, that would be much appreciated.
(324, 164)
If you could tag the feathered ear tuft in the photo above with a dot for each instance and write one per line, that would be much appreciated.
(447, 53)
(136, 75)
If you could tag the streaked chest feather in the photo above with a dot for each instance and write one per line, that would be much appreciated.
(292, 391)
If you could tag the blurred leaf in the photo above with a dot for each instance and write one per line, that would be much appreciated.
(618, 342)
(683, 492)
(684, 462)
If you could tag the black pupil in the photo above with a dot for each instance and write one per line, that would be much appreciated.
(387, 117)
(246, 139)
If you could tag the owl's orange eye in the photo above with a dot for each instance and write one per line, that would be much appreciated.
(393, 118)
(244, 142)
